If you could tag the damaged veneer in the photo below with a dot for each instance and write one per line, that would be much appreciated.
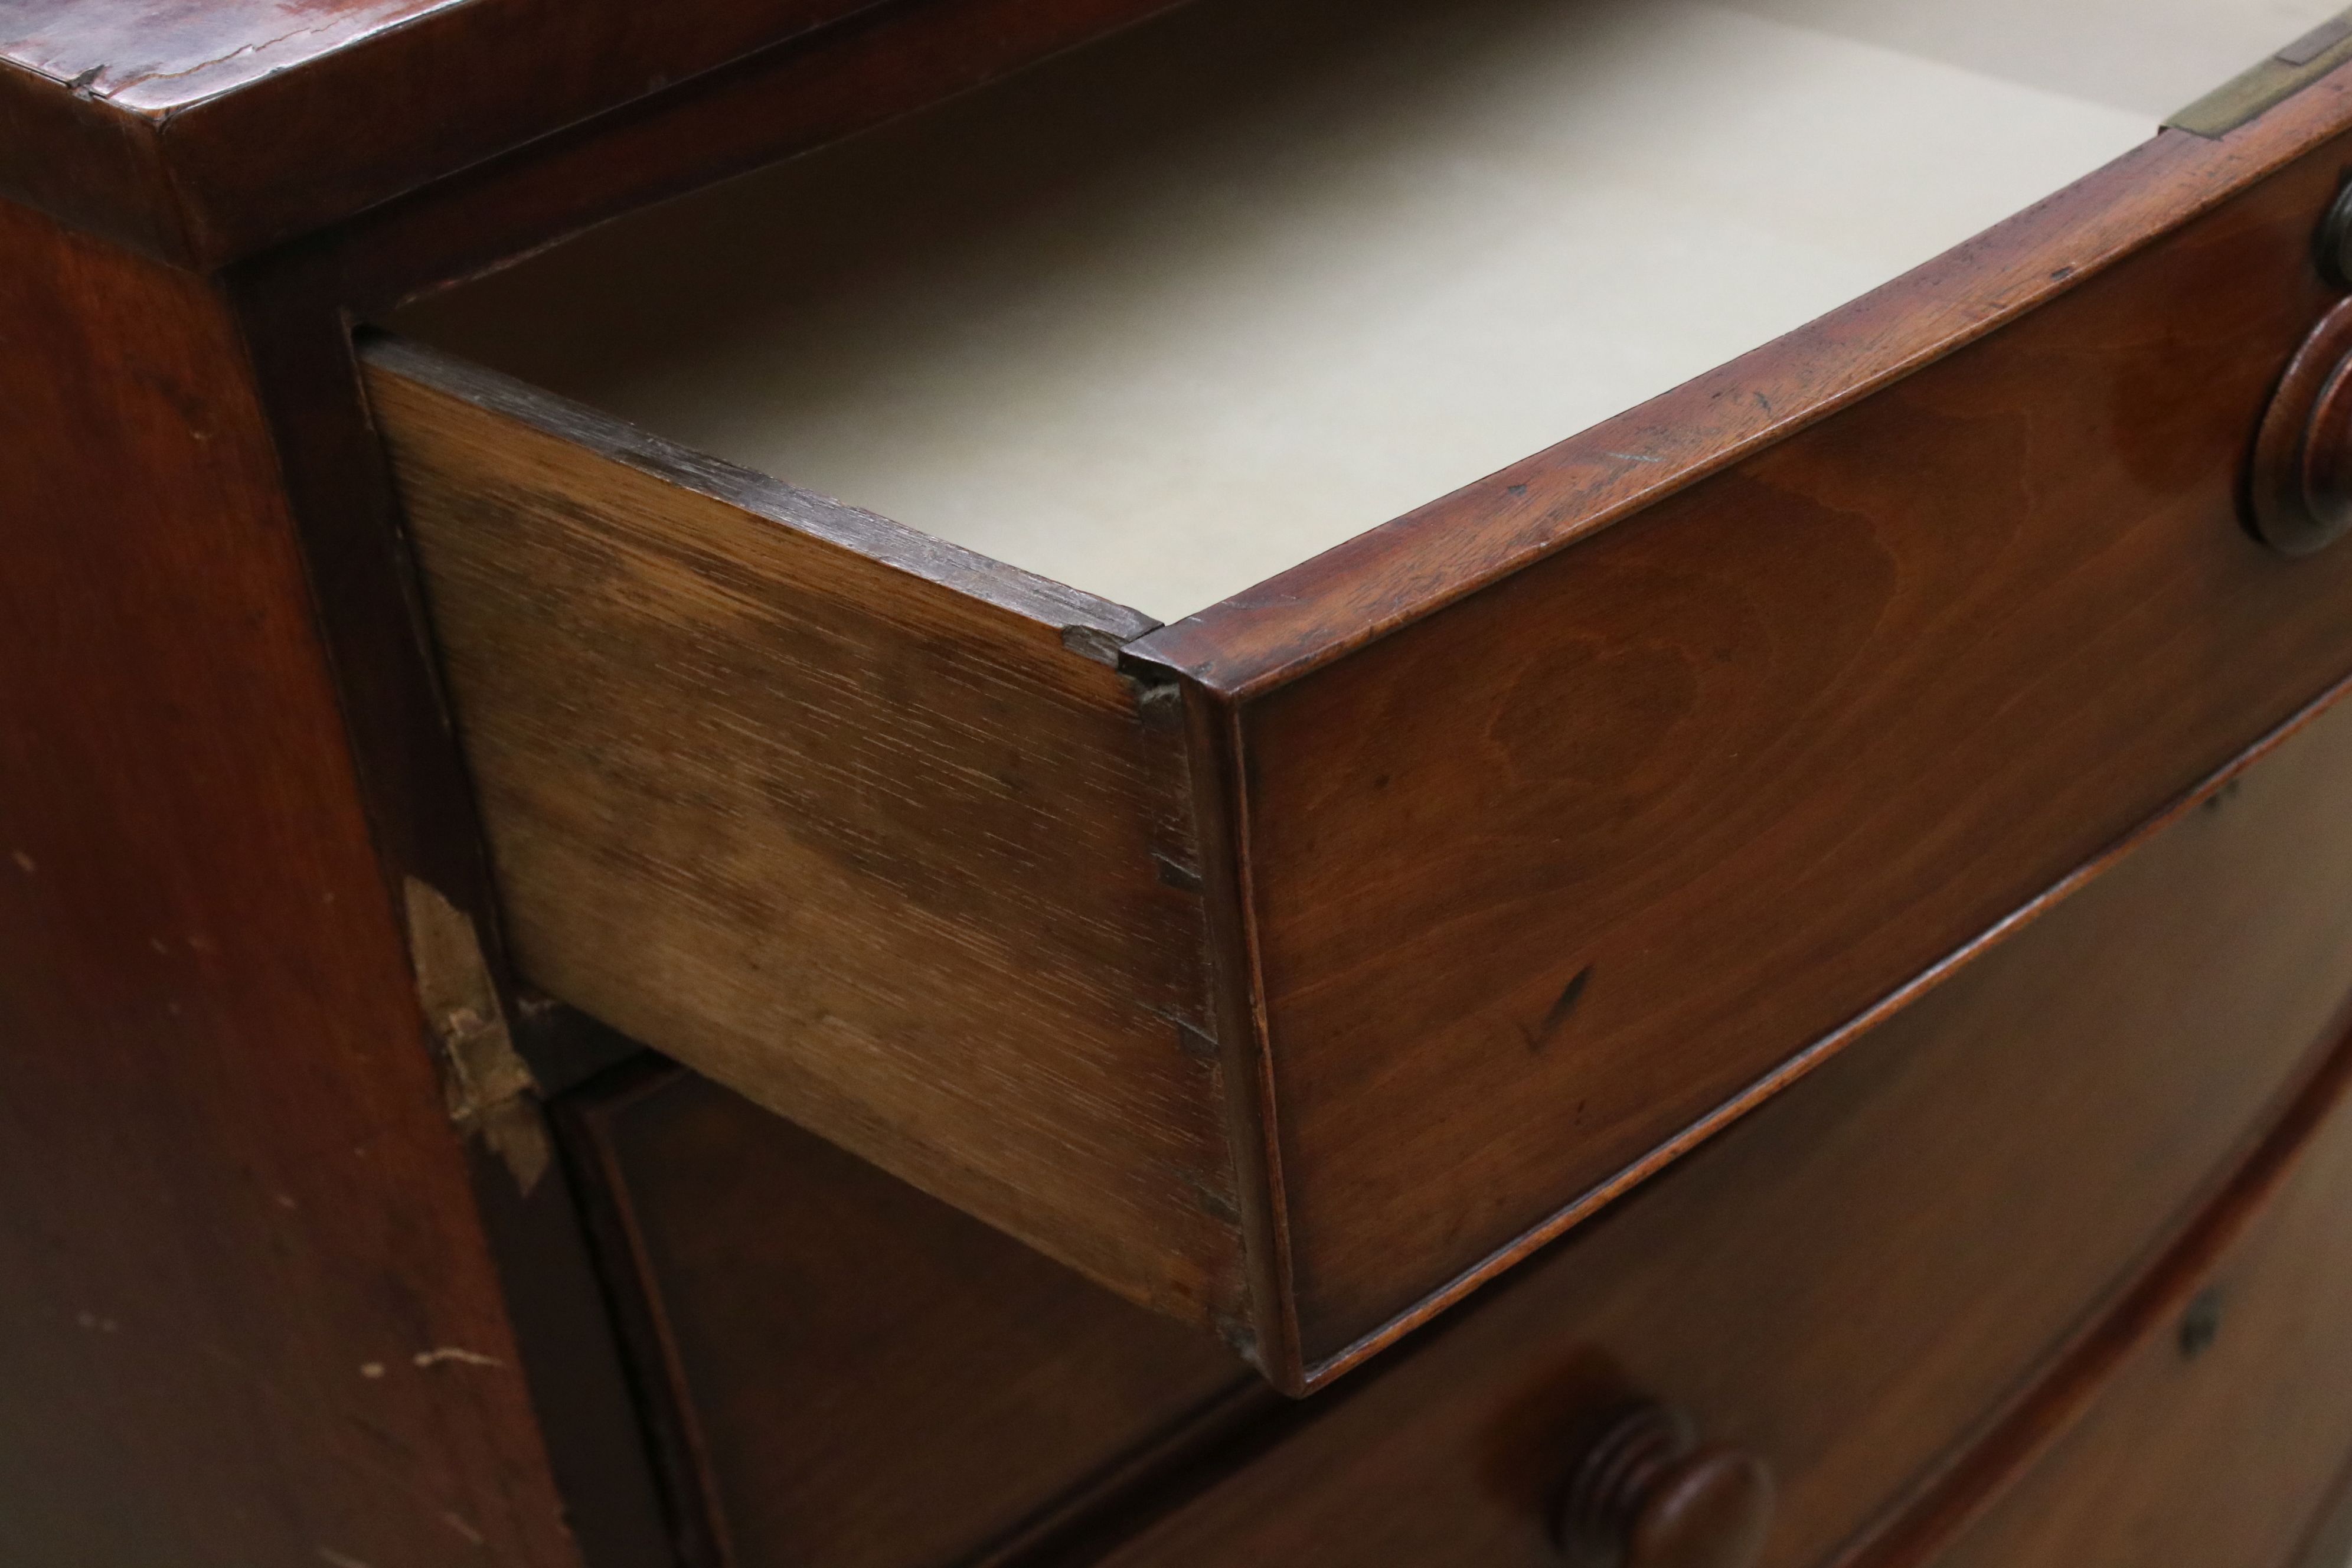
(489, 1087)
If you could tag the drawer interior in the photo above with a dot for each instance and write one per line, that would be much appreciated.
(1165, 318)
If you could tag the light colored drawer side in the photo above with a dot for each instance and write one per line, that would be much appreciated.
(858, 824)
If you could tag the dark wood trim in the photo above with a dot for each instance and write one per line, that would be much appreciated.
(1090, 1510)
(1111, 1504)
(696, 1528)
(93, 168)
(366, 605)
(872, 69)
(564, 1332)
(1442, 553)
(1211, 746)
(1991, 1439)
(2151, 1307)
(227, 1146)
(204, 158)
(2328, 1543)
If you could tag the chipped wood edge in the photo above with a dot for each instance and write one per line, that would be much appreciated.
(489, 1088)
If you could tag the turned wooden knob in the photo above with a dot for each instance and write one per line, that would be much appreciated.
(2299, 487)
(1648, 1494)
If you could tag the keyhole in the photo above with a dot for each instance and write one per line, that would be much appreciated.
(2200, 1325)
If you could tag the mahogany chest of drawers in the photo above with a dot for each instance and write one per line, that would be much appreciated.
(821, 783)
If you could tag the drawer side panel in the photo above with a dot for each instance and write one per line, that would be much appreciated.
(863, 837)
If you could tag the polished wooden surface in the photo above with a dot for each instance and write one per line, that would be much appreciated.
(276, 1164)
(2299, 478)
(861, 1376)
(1529, 896)
(894, 856)
(2215, 1439)
(1540, 884)
(2329, 1542)
(206, 132)
(251, 1314)
(1649, 1493)
(74, 152)
(1856, 1280)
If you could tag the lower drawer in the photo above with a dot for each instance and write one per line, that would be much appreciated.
(1855, 1284)
(2224, 1405)
(843, 1372)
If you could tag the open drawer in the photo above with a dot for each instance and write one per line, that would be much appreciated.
(1294, 967)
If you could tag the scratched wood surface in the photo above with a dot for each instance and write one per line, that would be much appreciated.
(860, 825)
(229, 1182)
(1541, 883)
(1857, 1280)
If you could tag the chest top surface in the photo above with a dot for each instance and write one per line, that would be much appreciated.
(154, 58)
(206, 131)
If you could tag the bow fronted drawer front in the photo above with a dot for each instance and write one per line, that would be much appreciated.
(1887, 1291)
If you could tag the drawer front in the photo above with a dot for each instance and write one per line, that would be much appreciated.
(843, 1372)
(2217, 1437)
(1856, 1280)
(1542, 880)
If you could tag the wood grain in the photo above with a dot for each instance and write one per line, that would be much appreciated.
(228, 1185)
(862, 1377)
(419, 803)
(877, 847)
(1523, 924)
(2215, 1437)
(1856, 1280)
(209, 132)
(1542, 883)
